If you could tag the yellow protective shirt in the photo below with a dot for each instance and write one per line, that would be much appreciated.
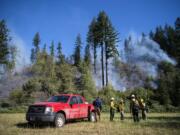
(121, 106)
(112, 105)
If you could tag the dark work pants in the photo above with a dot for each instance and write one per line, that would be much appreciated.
(122, 115)
(143, 114)
(136, 116)
(97, 112)
(112, 114)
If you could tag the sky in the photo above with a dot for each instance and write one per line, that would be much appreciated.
(62, 20)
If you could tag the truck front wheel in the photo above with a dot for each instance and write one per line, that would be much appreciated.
(59, 120)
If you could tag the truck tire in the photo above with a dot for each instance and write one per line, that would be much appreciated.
(59, 120)
(92, 117)
(31, 124)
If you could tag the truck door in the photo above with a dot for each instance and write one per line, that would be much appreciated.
(74, 108)
(83, 108)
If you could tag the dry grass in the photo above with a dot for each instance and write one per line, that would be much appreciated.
(157, 124)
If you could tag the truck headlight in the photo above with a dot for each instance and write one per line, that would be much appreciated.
(48, 110)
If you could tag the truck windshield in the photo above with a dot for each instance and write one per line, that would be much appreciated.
(62, 99)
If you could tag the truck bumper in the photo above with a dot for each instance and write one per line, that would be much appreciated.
(40, 117)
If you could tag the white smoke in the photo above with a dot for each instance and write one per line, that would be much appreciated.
(9, 83)
(115, 79)
(136, 65)
(146, 54)
(23, 57)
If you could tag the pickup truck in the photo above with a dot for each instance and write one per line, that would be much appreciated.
(60, 108)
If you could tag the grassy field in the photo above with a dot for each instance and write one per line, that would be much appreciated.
(157, 124)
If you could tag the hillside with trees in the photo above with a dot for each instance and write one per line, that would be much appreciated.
(52, 72)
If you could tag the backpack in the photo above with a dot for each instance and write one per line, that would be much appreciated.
(118, 110)
(94, 103)
(135, 106)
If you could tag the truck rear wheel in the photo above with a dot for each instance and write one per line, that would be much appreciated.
(59, 120)
(92, 117)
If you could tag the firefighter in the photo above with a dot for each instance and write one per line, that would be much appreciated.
(112, 109)
(121, 109)
(143, 108)
(98, 107)
(134, 108)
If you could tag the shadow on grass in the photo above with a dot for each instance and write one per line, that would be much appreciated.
(173, 125)
(36, 125)
(45, 125)
(154, 122)
(158, 117)
(166, 118)
(163, 122)
(163, 118)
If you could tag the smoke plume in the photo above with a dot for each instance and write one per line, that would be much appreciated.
(23, 56)
(139, 60)
(11, 81)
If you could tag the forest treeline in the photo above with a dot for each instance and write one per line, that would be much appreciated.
(51, 72)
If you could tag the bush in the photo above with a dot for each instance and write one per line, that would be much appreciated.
(18, 109)
(105, 108)
(5, 104)
(143, 93)
(107, 93)
(156, 107)
(16, 96)
(170, 108)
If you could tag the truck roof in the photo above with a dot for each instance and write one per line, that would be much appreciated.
(68, 95)
(72, 95)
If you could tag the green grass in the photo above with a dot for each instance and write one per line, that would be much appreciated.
(157, 124)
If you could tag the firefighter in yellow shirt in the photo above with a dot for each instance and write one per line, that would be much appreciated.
(121, 109)
(134, 108)
(143, 108)
(112, 109)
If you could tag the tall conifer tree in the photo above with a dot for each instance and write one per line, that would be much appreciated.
(77, 52)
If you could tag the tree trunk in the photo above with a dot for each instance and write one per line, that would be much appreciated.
(106, 66)
(95, 53)
(102, 63)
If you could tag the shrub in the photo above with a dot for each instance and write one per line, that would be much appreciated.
(5, 104)
(16, 96)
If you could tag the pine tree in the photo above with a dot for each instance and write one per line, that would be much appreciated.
(101, 28)
(177, 25)
(52, 69)
(44, 49)
(65, 74)
(92, 39)
(33, 58)
(52, 49)
(151, 34)
(12, 58)
(169, 40)
(166, 85)
(87, 55)
(77, 52)
(4, 39)
(60, 56)
(110, 46)
(127, 49)
(36, 43)
(106, 38)
(102, 34)
(86, 85)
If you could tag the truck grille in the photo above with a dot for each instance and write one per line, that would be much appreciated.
(36, 109)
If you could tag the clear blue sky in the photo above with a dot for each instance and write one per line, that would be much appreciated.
(62, 20)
